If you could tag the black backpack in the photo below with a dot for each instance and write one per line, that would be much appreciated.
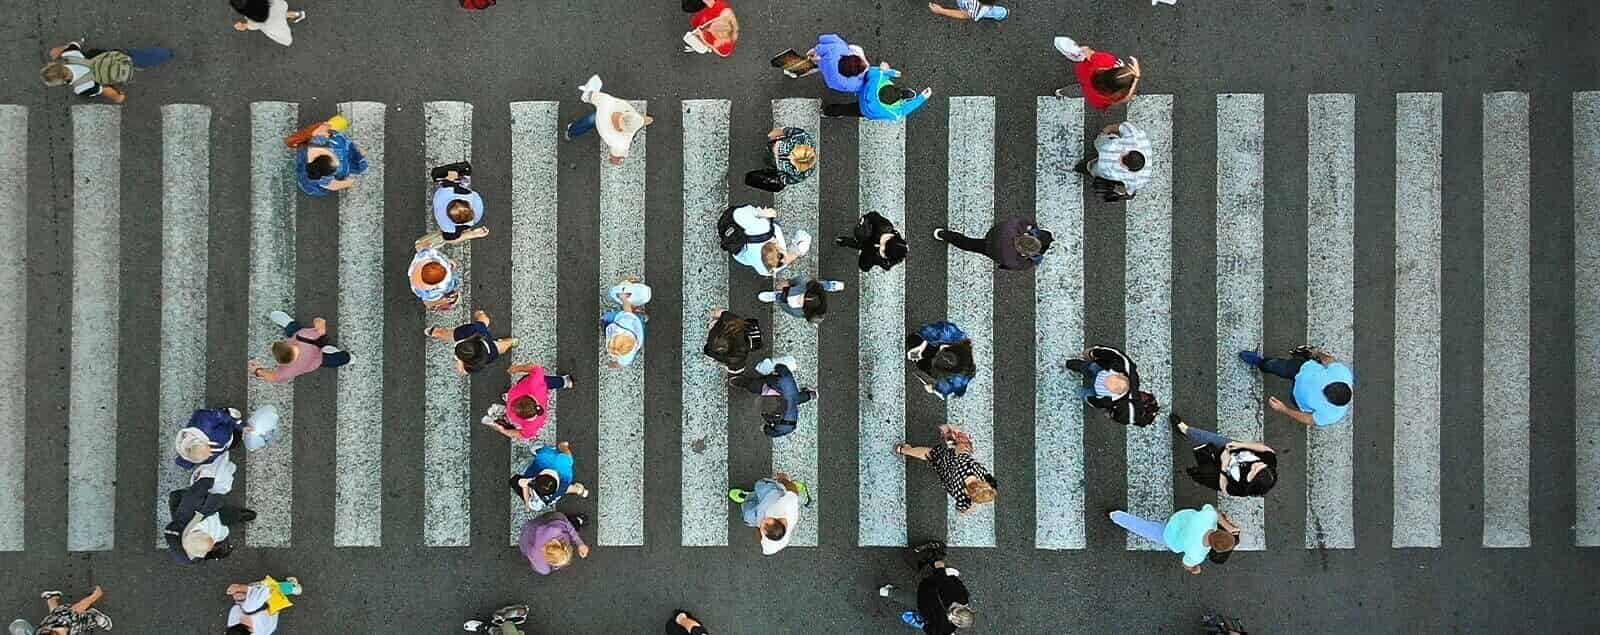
(1145, 408)
(732, 237)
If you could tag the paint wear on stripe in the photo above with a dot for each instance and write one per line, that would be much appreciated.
(1058, 332)
(620, 488)
(796, 452)
(1148, 314)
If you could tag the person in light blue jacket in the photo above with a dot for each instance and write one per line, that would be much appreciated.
(880, 98)
(843, 65)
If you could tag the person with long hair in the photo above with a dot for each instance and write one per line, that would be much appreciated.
(271, 17)
(731, 339)
(1106, 79)
(550, 540)
(328, 161)
(1232, 467)
(713, 28)
(791, 157)
(880, 244)
(942, 354)
(803, 297)
(966, 480)
(547, 478)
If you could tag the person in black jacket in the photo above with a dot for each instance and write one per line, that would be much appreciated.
(1228, 466)
(780, 394)
(881, 245)
(1111, 383)
(198, 517)
(941, 604)
(731, 339)
(1016, 244)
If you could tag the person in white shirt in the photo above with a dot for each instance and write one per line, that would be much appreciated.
(256, 605)
(770, 256)
(1121, 154)
(616, 120)
(772, 506)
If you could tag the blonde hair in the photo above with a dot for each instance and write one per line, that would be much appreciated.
(803, 156)
(55, 74)
(772, 255)
(621, 344)
(961, 616)
(193, 445)
(981, 491)
(557, 553)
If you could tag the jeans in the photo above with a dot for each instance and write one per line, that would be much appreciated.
(1148, 529)
(581, 126)
(752, 502)
(1207, 437)
(1089, 370)
(148, 57)
(1285, 368)
(555, 382)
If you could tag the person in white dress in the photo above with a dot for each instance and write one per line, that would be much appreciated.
(271, 17)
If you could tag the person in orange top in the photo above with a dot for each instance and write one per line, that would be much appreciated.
(712, 28)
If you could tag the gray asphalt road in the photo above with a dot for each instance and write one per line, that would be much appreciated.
(403, 56)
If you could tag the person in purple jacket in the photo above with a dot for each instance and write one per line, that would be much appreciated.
(549, 540)
(1016, 244)
(843, 65)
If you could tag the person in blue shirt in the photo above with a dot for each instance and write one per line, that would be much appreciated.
(942, 353)
(880, 99)
(780, 393)
(328, 163)
(1322, 384)
(843, 66)
(547, 478)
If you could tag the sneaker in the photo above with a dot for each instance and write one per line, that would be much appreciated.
(515, 614)
(49, 594)
(280, 318)
(884, 590)
(767, 296)
(845, 241)
(737, 495)
(992, 12)
(472, 626)
(329, 350)
(832, 286)
(20, 627)
(1250, 357)
(931, 546)
(1177, 422)
(1062, 91)
(912, 619)
(814, 394)
(298, 588)
(247, 515)
(578, 520)
(302, 17)
(938, 233)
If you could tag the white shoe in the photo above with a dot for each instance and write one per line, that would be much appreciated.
(280, 318)
(472, 626)
(767, 296)
(329, 350)
(802, 241)
(301, 18)
(832, 286)
(884, 590)
(1069, 47)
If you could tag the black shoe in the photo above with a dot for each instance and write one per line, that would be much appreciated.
(578, 520)
(247, 515)
(1176, 420)
(931, 546)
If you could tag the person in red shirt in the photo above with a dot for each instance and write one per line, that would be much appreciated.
(712, 29)
(1106, 80)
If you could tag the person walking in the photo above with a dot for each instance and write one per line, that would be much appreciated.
(505, 621)
(970, 10)
(1119, 162)
(326, 160)
(880, 98)
(791, 157)
(942, 354)
(303, 349)
(1231, 467)
(1322, 384)
(1105, 79)
(941, 604)
(547, 478)
(457, 209)
(1198, 534)
(202, 524)
(433, 278)
(843, 65)
(731, 339)
(755, 238)
(880, 244)
(256, 605)
(966, 480)
(779, 394)
(211, 431)
(526, 404)
(712, 28)
(685, 623)
(803, 297)
(624, 327)
(475, 346)
(1016, 244)
(772, 506)
(549, 541)
(78, 618)
(271, 17)
(1111, 383)
(96, 72)
(616, 119)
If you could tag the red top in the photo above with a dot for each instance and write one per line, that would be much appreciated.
(1100, 60)
(531, 384)
(723, 48)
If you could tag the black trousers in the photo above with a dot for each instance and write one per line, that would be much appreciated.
(851, 109)
(967, 243)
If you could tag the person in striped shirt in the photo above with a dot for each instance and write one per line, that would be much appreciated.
(1122, 155)
(970, 10)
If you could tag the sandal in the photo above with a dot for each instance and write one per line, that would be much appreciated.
(901, 447)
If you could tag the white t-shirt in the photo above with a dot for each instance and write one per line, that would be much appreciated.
(79, 70)
(604, 106)
(261, 622)
(787, 508)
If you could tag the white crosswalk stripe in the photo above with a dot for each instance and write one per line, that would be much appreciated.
(531, 222)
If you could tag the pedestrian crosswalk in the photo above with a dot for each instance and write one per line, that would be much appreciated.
(1062, 513)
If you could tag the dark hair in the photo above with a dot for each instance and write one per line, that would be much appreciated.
(470, 351)
(1134, 159)
(851, 66)
(889, 94)
(526, 407)
(220, 550)
(237, 629)
(815, 304)
(955, 359)
(320, 167)
(545, 485)
(896, 249)
(727, 343)
(1262, 483)
(774, 531)
(1338, 393)
(459, 211)
(1112, 80)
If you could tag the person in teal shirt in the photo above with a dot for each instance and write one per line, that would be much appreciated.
(880, 99)
(1198, 534)
(1322, 384)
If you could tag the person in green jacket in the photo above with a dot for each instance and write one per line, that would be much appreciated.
(880, 98)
